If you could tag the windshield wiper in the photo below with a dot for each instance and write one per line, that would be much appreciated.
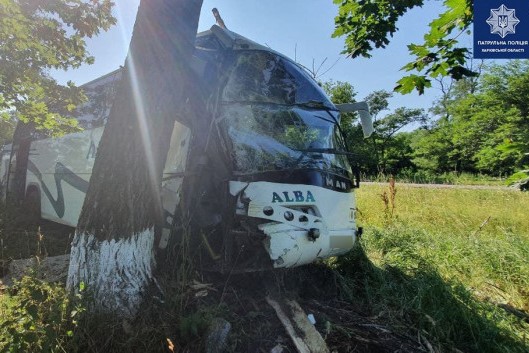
(316, 105)
(327, 150)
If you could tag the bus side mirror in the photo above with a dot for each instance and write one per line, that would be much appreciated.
(363, 110)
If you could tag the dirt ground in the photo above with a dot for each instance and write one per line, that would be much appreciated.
(256, 328)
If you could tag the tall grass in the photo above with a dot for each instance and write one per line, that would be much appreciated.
(478, 236)
(427, 177)
(453, 263)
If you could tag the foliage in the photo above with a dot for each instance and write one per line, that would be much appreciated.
(398, 154)
(37, 317)
(343, 92)
(378, 101)
(481, 127)
(391, 150)
(369, 24)
(7, 127)
(520, 179)
(384, 150)
(36, 37)
(486, 129)
(518, 176)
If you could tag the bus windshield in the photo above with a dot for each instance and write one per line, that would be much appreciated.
(276, 116)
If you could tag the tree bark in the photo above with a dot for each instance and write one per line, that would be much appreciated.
(21, 144)
(113, 247)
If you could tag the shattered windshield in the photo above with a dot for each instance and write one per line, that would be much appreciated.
(260, 76)
(275, 116)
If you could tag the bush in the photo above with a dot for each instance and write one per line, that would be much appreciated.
(521, 179)
(37, 317)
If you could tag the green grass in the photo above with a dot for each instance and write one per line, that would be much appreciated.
(447, 262)
(480, 237)
(426, 177)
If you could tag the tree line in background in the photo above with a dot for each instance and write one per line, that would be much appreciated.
(480, 125)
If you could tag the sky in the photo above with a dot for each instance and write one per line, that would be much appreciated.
(299, 29)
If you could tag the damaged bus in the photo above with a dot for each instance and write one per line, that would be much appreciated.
(267, 183)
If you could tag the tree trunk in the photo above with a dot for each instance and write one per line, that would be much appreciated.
(21, 144)
(113, 247)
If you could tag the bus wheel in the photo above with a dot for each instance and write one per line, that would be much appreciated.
(32, 205)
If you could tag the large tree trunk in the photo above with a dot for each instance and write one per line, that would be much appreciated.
(113, 248)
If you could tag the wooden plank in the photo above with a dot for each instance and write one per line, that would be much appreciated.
(304, 335)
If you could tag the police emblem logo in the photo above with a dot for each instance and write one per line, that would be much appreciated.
(502, 21)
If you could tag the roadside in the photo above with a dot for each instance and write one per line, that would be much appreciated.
(447, 186)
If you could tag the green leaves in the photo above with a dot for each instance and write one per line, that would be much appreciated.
(36, 36)
(439, 54)
(36, 317)
(411, 82)
(367, 24)
(485, 128)
(341, 92)
(370, 24)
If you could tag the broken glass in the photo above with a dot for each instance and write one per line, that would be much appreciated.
(273, 114)
(264, 77)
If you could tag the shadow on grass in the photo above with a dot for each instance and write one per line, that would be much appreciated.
(444, 313)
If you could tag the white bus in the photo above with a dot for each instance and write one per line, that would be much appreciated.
(276, 191)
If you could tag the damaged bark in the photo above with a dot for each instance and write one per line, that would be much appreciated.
(112, 251)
